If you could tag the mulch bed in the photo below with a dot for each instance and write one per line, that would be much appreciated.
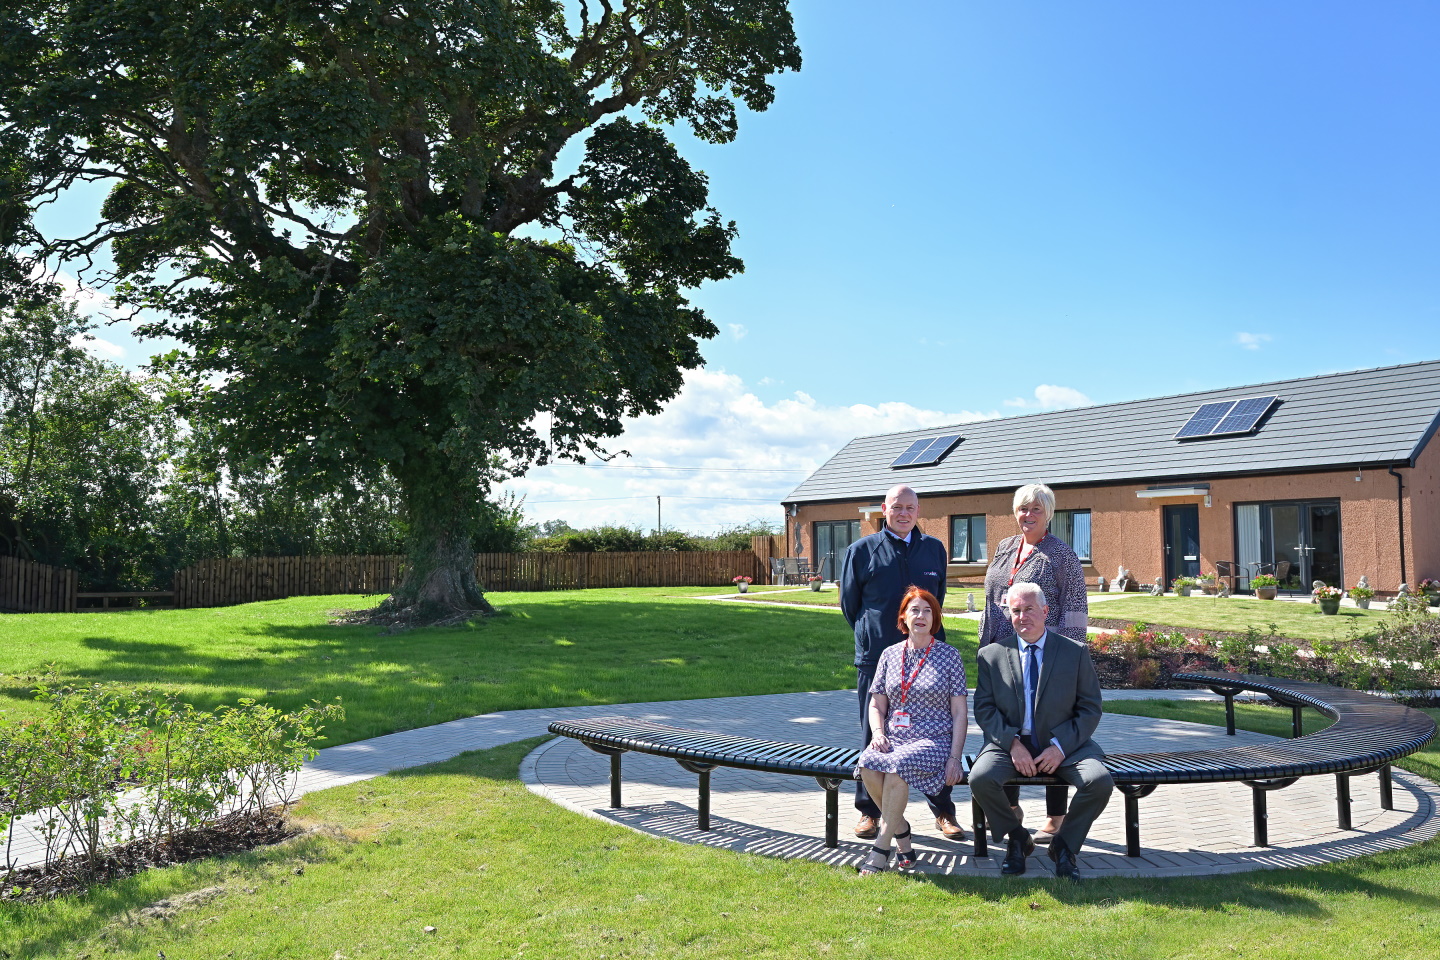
(233, 834)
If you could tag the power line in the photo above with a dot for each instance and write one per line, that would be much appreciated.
(637, 466)
(667, 497)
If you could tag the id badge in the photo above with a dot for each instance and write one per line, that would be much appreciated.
(899, 719)
(1004, 596)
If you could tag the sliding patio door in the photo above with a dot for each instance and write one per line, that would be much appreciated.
(1304, 533)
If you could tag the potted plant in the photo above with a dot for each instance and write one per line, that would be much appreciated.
(1206, 582)
(1361, 596)
(1265, 585)
(815, 580)
(1183, 585)
(1329, 598)
(742, 583)
(1430, 590)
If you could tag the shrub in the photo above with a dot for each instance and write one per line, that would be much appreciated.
(109, 765)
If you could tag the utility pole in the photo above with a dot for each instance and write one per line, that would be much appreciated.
(659, 529)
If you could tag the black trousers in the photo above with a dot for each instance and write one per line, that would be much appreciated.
(1057, 798)
(940, 803)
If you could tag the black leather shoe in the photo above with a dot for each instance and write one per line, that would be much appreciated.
(1065, 866)
(1019, 847)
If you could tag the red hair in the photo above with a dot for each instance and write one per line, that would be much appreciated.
(915, 593)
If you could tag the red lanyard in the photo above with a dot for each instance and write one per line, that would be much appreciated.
(1019, 553)
(905, 685)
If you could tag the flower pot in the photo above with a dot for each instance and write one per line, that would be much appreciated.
(1185, 591)
(1363, 604)
(815, 585)
(1330, 607)
(1266, 593)
(743, 587)
(1209, 589)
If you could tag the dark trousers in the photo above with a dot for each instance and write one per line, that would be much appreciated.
(940, 804)
(1057, 798)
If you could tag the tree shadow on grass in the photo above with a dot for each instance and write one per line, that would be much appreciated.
(553, 652)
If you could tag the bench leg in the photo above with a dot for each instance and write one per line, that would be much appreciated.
(1297, 721)
(1230, 714)
(1342, 800)
(615, 780)
(702, 819)
(1262, 816)
(1258, 789)
(1132, 815)
(832, 810)
(982, 832)
(1387, 797)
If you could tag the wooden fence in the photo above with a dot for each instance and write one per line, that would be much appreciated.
(229, 580)
(578, 571)
(221, 582)
(32, 587)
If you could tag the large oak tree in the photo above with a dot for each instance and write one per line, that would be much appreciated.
(350, 214)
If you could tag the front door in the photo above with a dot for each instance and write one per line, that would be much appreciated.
(1182, 541)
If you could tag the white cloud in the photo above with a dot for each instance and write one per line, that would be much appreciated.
(98, 347)
(1051, 397)
(751, 454)
(738, 330)
(1252, 341)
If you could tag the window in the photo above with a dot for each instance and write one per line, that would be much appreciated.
(1073, 526)
(967, 539)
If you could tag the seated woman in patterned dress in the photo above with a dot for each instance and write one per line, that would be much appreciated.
(918, 715)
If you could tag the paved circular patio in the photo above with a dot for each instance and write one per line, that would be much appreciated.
(1184, 830)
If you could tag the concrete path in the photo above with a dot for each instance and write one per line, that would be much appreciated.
(1185, 830)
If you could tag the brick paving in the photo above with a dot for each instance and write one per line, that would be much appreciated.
(1185, 830)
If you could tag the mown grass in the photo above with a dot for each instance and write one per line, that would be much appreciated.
(1236, 614)
(830, 597)
(548, 649)
(462, 846)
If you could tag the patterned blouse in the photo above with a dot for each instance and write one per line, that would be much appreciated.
(1055, 568)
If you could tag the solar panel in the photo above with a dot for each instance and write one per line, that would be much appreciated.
(1246, 414)
(1226, 418)
(911, 452)
(926, 451)
(937, 450)
(1205, 419)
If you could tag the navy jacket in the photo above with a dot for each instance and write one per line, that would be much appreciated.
(874, 575)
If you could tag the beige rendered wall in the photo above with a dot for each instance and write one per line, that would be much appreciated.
(1422, 514)
(1126, 529)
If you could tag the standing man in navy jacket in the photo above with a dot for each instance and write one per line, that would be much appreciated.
(874, 576)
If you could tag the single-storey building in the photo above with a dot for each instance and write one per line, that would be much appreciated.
(1336, 475)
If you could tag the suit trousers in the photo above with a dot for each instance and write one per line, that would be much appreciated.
(940, 804)
(1092, 782)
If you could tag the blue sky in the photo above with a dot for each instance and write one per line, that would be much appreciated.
(963, 209)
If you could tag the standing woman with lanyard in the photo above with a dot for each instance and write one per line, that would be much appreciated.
(1037, 556)
(918, 719)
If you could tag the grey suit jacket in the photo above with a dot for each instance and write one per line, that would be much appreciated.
(1067, 702)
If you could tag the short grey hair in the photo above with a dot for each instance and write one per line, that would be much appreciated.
(1027, 588)
(1035, 493)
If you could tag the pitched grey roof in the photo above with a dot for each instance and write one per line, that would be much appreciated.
(1343, 420)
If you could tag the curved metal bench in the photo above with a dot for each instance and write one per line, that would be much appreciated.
(1369, 733)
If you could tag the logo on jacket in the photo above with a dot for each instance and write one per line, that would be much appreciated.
(930, 573)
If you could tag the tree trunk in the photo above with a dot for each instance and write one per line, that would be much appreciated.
(439, 584)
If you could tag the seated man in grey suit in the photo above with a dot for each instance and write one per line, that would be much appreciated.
(1037, 701)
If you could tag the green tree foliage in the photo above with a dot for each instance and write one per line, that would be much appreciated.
(557, 536)
(350, 215)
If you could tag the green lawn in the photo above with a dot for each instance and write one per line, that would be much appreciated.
(830, 597)
(500, 872)
(550, 649)
(1302, 620)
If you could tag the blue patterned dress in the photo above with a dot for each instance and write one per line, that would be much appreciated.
(918, 753)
